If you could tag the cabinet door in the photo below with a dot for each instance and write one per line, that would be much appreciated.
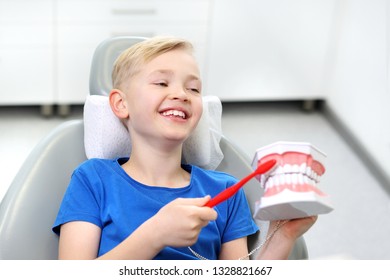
(79, 34)
(152, 11)
(26, 53)
(26, 12)
(268, 50)
(26, 77)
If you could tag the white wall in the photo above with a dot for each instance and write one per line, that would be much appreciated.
(357, 73)
(336, 50)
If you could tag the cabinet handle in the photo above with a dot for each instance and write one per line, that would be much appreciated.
(134, 12)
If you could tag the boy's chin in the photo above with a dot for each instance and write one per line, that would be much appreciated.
(176, 138)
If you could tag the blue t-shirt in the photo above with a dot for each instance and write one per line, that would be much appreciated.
(101, 192)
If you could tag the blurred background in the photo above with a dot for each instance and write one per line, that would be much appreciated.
(304, 70)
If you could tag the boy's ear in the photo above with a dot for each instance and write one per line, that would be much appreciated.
(118, 104)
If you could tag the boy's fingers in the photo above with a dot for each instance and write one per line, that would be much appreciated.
(200, 201)
(204, 213)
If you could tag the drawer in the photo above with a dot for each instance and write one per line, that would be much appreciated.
(77, 45)
(119, 10)
(26, 35)
(26, 76)
(73, 69)
(92, 35)
(78, 37)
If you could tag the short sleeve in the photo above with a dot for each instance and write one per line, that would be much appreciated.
(81, 202)
(239, 220)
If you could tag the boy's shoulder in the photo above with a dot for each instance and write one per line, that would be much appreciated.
(95, 161)
(98, 164)
(213, 174)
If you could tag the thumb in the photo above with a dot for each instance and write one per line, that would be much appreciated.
(203, 200)
(199, 201)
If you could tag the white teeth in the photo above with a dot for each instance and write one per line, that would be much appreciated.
(302, 168)
(279, 170)
(287, 168)
(288, 179)
(290, 174)
(271, 183)
(174, 113)
(294, 178)
(283, 180)
(308, 170)
(300, 179)
(295, 168)
(277, 180)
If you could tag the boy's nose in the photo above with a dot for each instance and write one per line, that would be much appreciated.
(179, 93)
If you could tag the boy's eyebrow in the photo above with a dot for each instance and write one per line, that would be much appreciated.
(170, 72)
(161, 71)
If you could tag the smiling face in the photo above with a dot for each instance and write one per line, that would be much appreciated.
(163, 98)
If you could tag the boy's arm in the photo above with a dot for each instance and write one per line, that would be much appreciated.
(80, 240)
(282, 242)
(278, 247)
(177, 224)
(235, 249)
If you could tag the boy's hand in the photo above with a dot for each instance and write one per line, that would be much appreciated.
(280, 245)
(179, 223)
(295, 228)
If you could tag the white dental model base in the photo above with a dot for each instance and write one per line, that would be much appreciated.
(290, 189)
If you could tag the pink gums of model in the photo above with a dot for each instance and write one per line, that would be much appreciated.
(291, 188)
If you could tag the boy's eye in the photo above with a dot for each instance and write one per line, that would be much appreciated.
(162, 84)
(194, 90)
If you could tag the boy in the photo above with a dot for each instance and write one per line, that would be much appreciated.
(150, 206)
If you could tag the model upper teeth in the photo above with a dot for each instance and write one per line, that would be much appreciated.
(291, 174)
(174, 113)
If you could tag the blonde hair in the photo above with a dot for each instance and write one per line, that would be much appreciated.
(132, 59)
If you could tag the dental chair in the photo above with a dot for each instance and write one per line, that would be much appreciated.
(31, 203)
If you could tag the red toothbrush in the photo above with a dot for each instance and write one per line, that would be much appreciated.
(229, 192)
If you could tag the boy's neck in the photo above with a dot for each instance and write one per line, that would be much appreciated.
(157, 168)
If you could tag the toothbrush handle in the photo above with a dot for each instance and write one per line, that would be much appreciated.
(224, 195)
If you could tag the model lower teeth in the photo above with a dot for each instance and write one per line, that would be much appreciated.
(295, 177)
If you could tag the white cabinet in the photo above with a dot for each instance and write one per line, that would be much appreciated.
(268, 50)
(26, 52)
(79, 32)
(46, 46)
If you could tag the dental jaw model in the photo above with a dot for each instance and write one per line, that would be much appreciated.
(290, 188)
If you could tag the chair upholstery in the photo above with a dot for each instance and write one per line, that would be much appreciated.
(29, 208)
(31, 203)
(100, 82)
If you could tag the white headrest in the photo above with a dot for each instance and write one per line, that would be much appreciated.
(105, 136)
